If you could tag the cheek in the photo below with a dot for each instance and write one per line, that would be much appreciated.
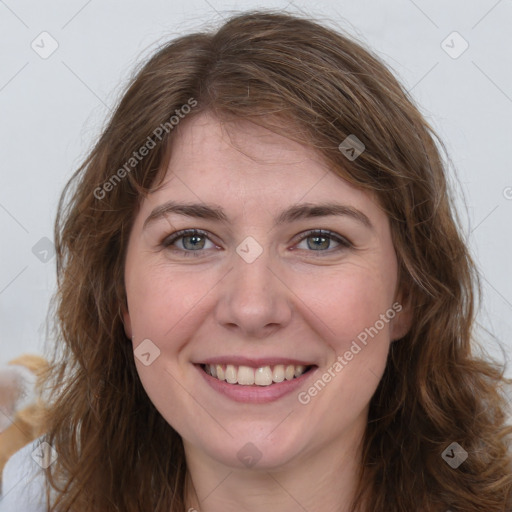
(160, 305)
(350, 303)
(159, 299)
(162, 384)
(357, 315)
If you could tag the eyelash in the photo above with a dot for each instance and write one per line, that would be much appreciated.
(169, 240)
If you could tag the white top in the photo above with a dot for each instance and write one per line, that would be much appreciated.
(23, 480)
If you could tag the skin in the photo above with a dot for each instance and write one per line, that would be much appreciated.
(292, 301)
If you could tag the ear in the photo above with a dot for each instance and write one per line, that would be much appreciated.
(401, 323)
(127, 322)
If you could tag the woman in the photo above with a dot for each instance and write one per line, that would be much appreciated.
(264, 300)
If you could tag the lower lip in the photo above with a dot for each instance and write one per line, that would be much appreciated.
(255, 394)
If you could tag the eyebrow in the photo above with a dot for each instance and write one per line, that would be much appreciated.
(291, 214)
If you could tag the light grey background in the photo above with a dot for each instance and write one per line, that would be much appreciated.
(53, 108)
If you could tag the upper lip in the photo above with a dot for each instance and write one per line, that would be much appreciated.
(254, 362)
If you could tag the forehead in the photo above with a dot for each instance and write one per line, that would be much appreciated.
(204, 141)
(251, 172)
(238, 154)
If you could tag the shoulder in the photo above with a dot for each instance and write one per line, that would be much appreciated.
(23, 479)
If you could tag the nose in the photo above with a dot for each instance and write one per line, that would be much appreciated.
(253, 298)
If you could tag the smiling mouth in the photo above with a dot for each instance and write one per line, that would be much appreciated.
(248, 376)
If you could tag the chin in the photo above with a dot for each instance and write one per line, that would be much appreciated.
(257, 451)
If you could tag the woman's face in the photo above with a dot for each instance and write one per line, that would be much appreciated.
(261, 295)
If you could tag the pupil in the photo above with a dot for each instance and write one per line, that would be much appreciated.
(323, 245)
(194, 244)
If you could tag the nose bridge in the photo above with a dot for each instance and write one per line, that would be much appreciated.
(253, 298)
(252, 271)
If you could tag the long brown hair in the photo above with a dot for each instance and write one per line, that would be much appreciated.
(316, 86)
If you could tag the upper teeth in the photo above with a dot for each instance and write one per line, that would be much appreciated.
(246, 376)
